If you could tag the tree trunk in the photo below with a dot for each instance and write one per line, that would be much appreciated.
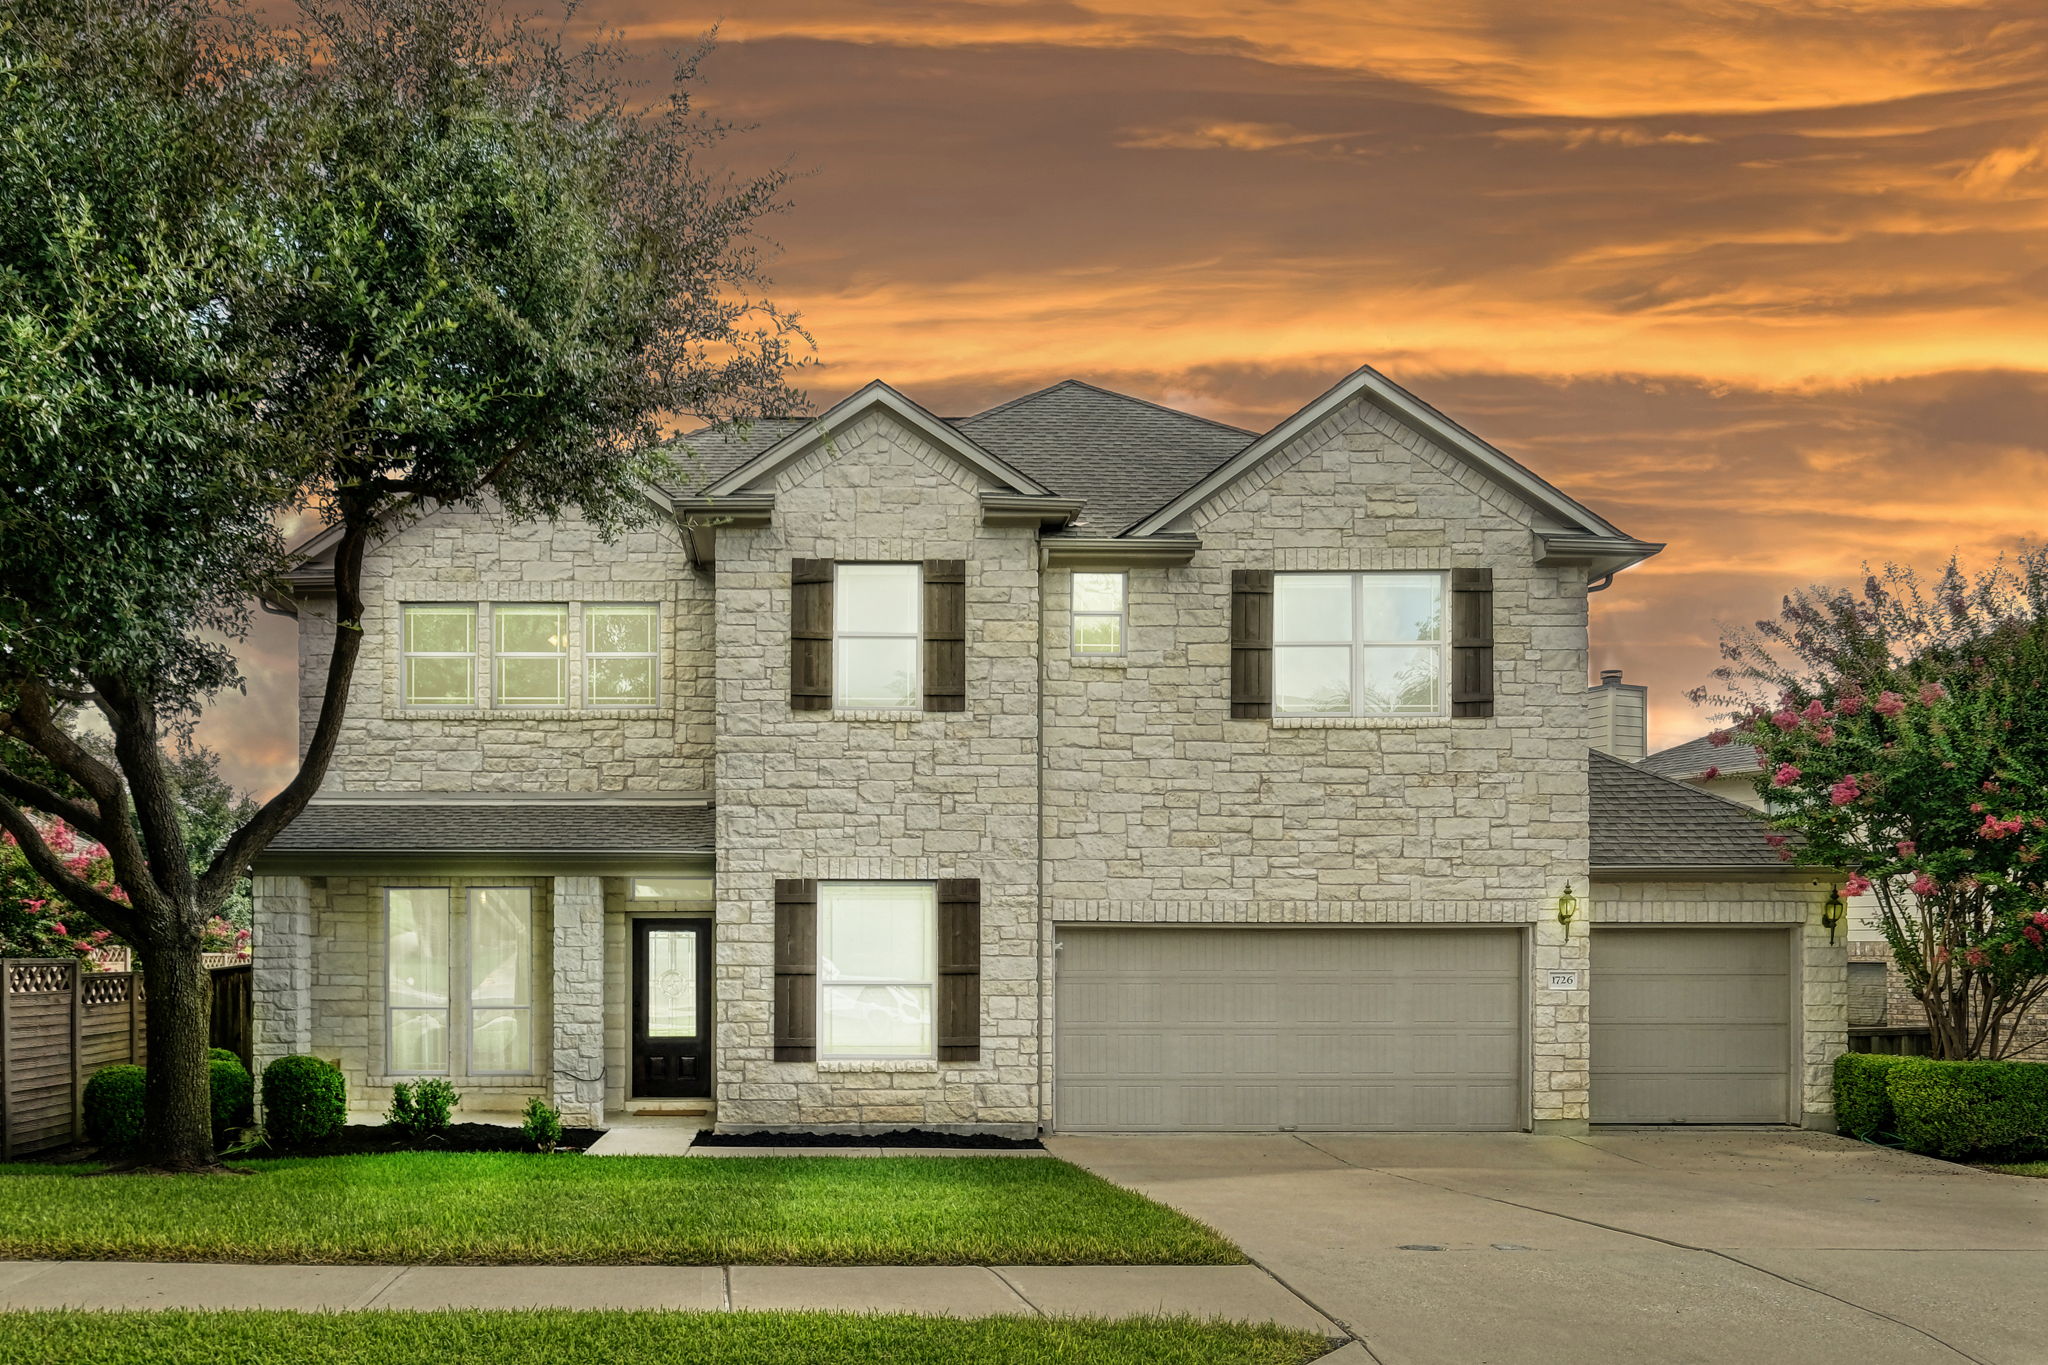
(178, 1133)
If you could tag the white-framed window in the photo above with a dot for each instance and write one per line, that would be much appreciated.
(877, 969)
(416, 980)
(1360, 644)
(438, 653)
(877, 622)
(669, 889)
(620, 647)
(530, 647)
(500, 981)
(1098, 611)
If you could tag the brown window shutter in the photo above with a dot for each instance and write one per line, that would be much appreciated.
(945, 635)
(1472, 642)
(960, 970)
(796, 971)
(1251, 644)
(810, 635)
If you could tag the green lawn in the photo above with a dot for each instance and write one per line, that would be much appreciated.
(2038, 1169)
(564, 1338)
(500, 1209)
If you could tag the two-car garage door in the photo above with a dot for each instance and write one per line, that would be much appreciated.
(1352, 1029)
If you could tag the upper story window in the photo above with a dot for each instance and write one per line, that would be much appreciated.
(439, 655)
(877, 969)
(876, 630)
(1359, 644)
(531, 647)
(1098, 613)
(619, 651)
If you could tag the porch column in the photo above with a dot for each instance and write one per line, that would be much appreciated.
(578, 1074)
(280, 968)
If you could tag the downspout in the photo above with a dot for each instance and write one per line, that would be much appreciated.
(1043, 929)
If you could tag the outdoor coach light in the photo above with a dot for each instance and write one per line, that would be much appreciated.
(1832, 911)
(1567, 909)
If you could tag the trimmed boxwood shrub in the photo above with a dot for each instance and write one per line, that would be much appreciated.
(1988, 1111)
(233, 1090)
(304, 1100)
(113, 1107)
(1863, 1104)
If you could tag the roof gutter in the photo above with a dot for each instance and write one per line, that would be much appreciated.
(1117, 552)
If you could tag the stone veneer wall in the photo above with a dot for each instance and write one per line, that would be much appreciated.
(874, 796)
(1823, 967)
(328, 931)
(461, 555)
(619, 914)
(1160, 808)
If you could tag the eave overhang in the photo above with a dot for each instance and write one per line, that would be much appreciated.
(702, 517)
(1118, 552)
(1600, 555)
(1026, 509)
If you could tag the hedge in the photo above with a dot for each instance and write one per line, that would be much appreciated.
(1984, 1111)
(113, 1107)
(1863, 1105)
(233, 1090)
(304, 1100)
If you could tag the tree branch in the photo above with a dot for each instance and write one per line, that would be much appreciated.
(119, 917)
(35, 796)
(140, 753)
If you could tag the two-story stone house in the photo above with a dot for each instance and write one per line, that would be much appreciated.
(1077, 765)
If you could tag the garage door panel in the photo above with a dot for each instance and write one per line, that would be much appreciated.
(1332, 1029)
(1691, 1025)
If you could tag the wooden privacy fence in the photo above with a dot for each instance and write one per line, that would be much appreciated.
(58, 1025)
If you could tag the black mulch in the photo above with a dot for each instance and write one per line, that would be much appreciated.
(359, 1139)
(897, 1137)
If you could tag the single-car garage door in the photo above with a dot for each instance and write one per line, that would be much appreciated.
(1162, 1029)
(1691, 1025)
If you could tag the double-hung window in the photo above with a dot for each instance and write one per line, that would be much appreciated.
(1099, 613)
(438, 645)
(530, 644)
(619, 649)
(877, 969)
(877, 621)
(1359, 644)
(416, 979)
(500, 980)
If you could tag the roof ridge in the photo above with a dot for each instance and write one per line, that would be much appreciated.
(1009, 403)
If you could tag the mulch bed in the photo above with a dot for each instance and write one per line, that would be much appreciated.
(897, 1137)
(359, 1139)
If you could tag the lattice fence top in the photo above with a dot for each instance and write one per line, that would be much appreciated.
(103, 988)
(39, 978)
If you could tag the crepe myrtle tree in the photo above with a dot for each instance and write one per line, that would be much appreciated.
(391, 256)
(1903, 736)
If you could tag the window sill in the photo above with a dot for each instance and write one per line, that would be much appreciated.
(1359, 722)
(900, 1065)
(899, 717)
(1098, 660)
(482, 715)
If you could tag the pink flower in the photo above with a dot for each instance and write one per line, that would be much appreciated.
(1720, 739)
(1816, 711)
(1844, 791)
(1825, 734)
(1923, 885)
(1889, 704)
(2032, 934)
(1991, 786)
(1849, 705)
(1786, 719)
(1975, 957)
(1976, 808)
(2041, 918)
(1931, 693)
(1777, 840)
(1856, 885)
(1710, 774)
(1907, 848)
(1785, 776)
(1995, 828)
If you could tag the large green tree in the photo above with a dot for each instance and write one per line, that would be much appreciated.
(401, 254)
(1903, 733)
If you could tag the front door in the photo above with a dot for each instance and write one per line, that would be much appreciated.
(671, 1008)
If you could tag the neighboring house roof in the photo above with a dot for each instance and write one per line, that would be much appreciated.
(1641, 820)
(465, 824)
(1691, 759)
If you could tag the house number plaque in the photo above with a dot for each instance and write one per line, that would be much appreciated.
(1564, 981)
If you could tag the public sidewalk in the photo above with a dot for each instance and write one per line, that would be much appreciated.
(1245, 1292)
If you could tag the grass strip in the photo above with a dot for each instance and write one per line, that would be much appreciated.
(420, 1208)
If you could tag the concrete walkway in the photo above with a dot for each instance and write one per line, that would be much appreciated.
(1237, 1292)
(1726, 1247)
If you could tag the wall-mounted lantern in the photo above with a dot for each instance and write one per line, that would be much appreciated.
(1567, 909)
(1832, 912)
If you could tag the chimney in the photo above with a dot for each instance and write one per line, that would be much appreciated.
(1621, 717)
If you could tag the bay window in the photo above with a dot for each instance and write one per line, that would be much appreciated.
(877, 969)
(1359, 644)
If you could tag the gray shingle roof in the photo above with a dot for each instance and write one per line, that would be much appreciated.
(1695, 756)
(708, 454)
(1126, 456)
(479, 825)
(1640, 819)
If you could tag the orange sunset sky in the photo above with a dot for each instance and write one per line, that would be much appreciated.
(1762, 280)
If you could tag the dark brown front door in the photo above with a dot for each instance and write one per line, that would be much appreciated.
(671, 1008)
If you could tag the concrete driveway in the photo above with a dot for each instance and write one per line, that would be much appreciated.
(1693, 1247)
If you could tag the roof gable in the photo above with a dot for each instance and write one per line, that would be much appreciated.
(806, 434)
